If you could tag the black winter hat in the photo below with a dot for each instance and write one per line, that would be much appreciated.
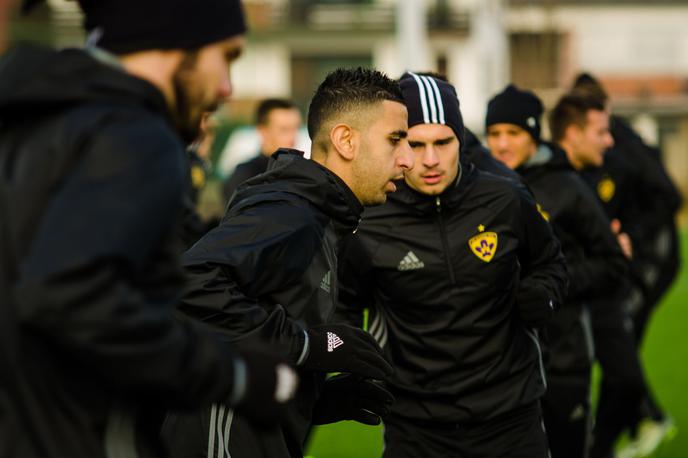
(125, 26)
(516, 106)
(431, 100)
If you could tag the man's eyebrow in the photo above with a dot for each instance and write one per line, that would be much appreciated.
(399, 133)
(444, 140)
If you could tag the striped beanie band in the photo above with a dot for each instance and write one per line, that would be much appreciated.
(431, 100)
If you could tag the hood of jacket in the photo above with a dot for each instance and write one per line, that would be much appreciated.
(289, 172)
(548, 158)
(36, 81)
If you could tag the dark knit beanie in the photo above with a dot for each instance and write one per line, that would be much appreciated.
(430, 100)
(515, 106)
(125, 26)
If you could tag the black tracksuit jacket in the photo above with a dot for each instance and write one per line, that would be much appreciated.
(461, 344)
(91, 195)
(595, 262)
(244, 171)
(269, 270)
(634, 187)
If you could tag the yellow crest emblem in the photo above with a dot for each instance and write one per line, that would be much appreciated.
(606, 189)
(197, 177)
(484, 245)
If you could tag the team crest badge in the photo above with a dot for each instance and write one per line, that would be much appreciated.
(484, 245)
(197, 177)
(606, 189)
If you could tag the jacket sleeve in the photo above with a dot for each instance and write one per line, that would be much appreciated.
(355, 289)
(600, 265)
(235, 269)
(544, 279)
(84, 284)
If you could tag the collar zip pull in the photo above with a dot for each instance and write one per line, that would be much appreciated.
(438, 204)
(357, 225)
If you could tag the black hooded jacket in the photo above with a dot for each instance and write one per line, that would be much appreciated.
(90, 196)
(633, 186)
(269, 270)
(441, 275)
(596, 265)
(595, 262)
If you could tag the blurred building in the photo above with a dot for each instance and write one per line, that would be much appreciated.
(638, 48)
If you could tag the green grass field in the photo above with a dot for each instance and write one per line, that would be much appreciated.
(666, 362)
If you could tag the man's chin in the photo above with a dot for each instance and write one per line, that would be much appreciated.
(378, 200)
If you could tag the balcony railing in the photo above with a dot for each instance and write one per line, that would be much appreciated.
(328, 16)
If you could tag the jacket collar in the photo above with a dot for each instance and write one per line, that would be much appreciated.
(289, 172)
(450, 197)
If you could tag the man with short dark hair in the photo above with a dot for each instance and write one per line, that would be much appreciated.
(580, 125)
(92, 179)
(269, 270)
(594, 258)
(634, 188)
(458, 269)
(277, 123)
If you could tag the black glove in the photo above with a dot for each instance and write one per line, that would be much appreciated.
(269, 386)
(535, 306)
(347, 397)
(343, 348)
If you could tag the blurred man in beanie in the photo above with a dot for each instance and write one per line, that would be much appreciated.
(593, 256)
(93, 172)
(269, 270)
(458, 269)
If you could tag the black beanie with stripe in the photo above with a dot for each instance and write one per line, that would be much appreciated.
(432, 100)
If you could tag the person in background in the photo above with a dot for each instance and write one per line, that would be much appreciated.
(193, 225)
(637, 193)
(580, 126)
(277, 122)
(593, 256)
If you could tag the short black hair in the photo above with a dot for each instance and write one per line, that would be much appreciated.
(589, 86)
(345, 89)
(267, 105)
(572, 108)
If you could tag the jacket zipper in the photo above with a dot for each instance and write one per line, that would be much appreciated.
(445, 242)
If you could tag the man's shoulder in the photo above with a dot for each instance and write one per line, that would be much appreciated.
(488, 184)
(129, 132)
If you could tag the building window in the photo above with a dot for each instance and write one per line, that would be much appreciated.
(535, 59)
(307, 72)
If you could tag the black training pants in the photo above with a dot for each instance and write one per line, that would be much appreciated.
(516, 434)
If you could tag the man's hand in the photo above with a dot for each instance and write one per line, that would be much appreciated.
(269, 384)
(343, 348)
(347, 397)
(623, 239)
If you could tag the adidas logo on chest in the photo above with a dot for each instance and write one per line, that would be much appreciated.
(410, 262)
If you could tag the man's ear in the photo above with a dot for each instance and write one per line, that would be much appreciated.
(344, 141)
(573, 133)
